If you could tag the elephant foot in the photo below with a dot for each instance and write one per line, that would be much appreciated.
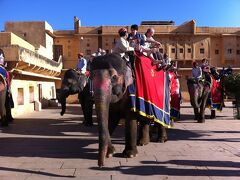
(10, 120)
(62, 113)
(171, 122)
(88, 123)
(100, 163)
(111, 151)
(130, 153)
(213, 114)
(201, 120)
(162, 139)
(4, 123)
(212, 117)
(143, 141)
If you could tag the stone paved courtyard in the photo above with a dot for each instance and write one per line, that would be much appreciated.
(44, 145)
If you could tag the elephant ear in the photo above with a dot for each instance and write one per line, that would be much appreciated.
(128, 78)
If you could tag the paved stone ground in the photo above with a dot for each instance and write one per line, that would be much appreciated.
(44, 145)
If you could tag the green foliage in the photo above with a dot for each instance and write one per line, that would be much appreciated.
(232, 85)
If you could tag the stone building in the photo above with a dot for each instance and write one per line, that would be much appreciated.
(28, 49)
(38, 56)
(184, 44)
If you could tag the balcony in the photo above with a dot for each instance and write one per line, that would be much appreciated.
(25, 61)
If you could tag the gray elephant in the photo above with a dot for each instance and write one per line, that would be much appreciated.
(199, 91)
(111, 82)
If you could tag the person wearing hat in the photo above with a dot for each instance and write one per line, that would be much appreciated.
(81, 64)
(122, 45)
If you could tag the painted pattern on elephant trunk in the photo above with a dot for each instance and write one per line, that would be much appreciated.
(102, 94)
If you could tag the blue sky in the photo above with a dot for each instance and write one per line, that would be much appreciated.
(59, 13)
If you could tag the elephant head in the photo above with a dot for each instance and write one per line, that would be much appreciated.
(72, 83)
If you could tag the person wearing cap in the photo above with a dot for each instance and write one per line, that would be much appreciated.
(196, 71)
(122, 45)
(81, 64)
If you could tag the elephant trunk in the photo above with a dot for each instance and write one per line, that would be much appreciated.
(104, 136)
(102, 99)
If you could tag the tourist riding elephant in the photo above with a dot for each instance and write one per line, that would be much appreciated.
(111, 81)
(199, 90)
(73, 83)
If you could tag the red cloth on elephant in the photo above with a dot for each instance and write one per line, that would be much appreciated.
(216, 95)
(152, 91)
(175, 95)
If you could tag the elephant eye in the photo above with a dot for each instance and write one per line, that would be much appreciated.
(114, 79)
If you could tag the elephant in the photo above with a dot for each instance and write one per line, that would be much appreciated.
(199, 90)
(73, 83)
(219, 89)
(112, 80)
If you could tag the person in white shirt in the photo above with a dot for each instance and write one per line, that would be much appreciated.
(151, 46)
(81, 64)
(196, 71)
(122, 45)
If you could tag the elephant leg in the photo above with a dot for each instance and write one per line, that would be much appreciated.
(130, 138)
(9, 117)
(4, 121)
(87, 108)
(63, 95)
(196, 113)
(162, 134)
(114, 119)
(213, 114)
(144, 137)
(86, 102)
(201, 118)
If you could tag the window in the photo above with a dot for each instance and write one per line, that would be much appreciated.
(229, 51)
(88, 52)
(238, 52)
(201, 50)
(189, 50)
(216, 51)
(88, 44)
(57, 51)
(20, 96)
(173, 50)
(181, 50)
(106, 44)
(161, 50)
